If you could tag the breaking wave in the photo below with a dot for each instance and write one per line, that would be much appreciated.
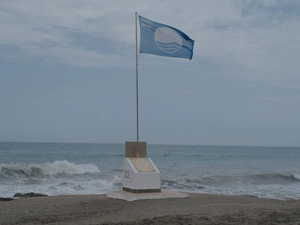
(296, 176)
(206, 181)
(57, 168)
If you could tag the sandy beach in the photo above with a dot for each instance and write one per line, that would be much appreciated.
(196, 209)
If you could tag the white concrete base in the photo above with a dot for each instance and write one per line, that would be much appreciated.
(124, 195)
(140, 175)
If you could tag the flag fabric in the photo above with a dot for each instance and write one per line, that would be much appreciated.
(164, 40)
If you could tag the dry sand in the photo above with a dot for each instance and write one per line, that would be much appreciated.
(197, 209)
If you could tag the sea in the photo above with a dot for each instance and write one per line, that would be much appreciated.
(84, 169)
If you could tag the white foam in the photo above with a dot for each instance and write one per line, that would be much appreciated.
(96, 186)
(58, 167)
(296, 176)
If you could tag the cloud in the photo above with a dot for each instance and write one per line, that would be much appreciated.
(50, 29)
(256, 40)
(260, 40)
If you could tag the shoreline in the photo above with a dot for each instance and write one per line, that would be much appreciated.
(196, 209)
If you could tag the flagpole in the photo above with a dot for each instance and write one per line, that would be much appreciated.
(137, 79)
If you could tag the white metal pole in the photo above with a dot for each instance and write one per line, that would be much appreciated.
(137, 79)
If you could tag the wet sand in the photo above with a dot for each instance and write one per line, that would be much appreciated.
(197, 209)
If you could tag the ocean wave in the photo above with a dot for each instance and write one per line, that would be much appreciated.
(275, 177)
(260, 178)
(296, 176)
(57, 168)
(188, 185)
(204, 181)
(100, 184)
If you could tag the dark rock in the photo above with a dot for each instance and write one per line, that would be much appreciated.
(18, 195)
(28, 195)
(6, 199)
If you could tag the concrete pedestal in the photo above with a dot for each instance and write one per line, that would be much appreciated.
(140, 176)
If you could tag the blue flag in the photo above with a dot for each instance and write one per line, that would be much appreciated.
(164, 40)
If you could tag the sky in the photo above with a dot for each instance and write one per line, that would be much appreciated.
(67, 73)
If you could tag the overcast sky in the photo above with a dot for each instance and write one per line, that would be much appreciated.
(68, 73)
